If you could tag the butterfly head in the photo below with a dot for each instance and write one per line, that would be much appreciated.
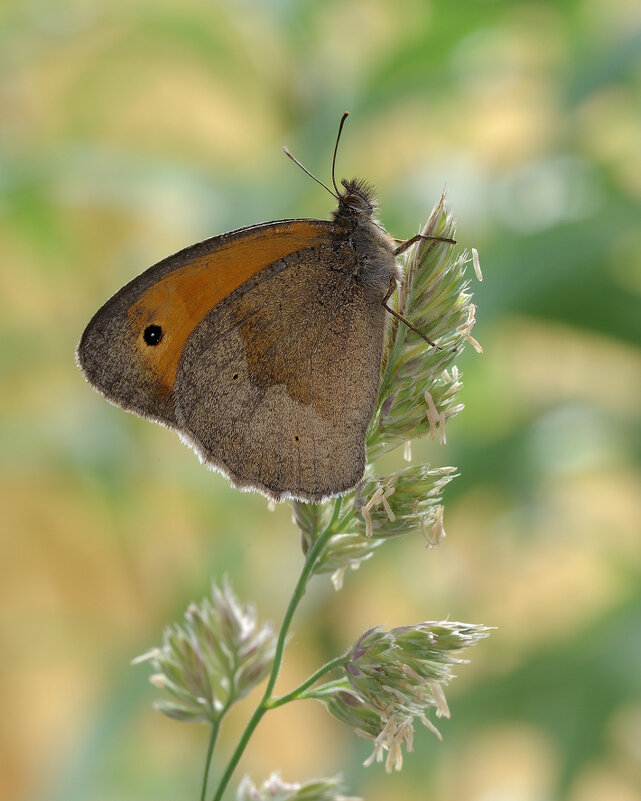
(356, 203)
(358, 197)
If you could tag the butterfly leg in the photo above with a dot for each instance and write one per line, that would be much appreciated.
(405, 244)
(400, 317)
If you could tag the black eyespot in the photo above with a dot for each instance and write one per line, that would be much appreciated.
(153, 334)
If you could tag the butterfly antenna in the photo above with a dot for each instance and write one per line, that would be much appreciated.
(338, 138)
(304, 169)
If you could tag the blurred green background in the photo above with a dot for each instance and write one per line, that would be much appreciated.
(129, 130)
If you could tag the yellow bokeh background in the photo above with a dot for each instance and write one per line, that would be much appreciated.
(129, 130)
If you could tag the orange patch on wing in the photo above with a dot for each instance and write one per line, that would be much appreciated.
(180, 300)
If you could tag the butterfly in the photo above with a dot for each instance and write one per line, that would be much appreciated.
(261, 347)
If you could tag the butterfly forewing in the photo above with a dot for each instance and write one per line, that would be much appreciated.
(131, 348)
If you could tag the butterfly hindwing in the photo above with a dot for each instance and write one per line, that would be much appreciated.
(277, 384)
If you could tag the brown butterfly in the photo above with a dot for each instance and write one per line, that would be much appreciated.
(261, 347)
